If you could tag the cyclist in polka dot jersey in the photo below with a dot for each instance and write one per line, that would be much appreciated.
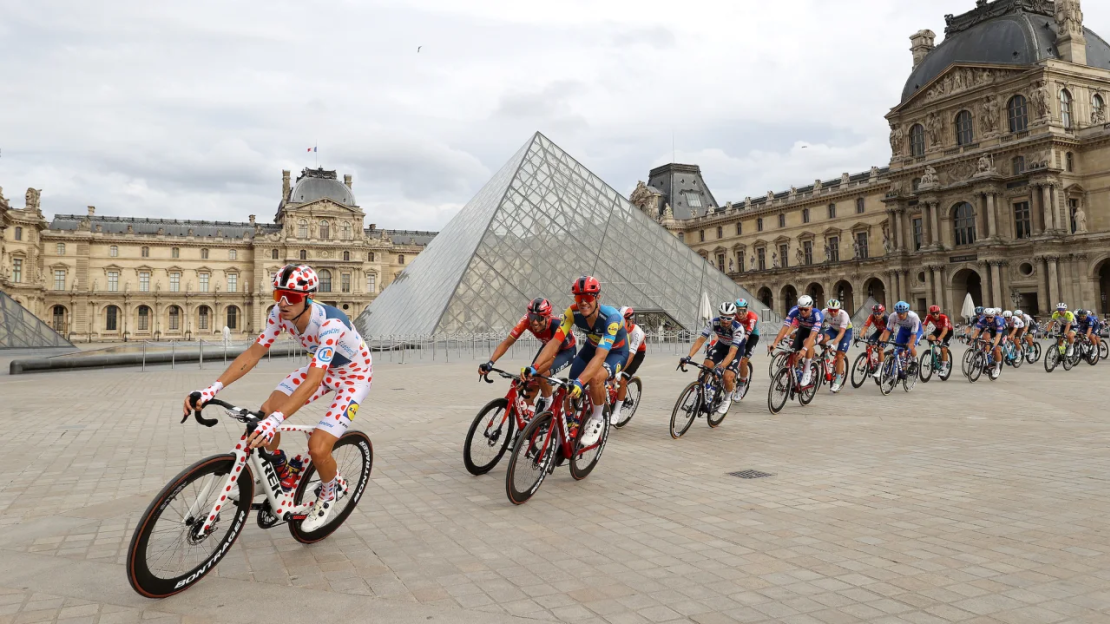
(341, 364)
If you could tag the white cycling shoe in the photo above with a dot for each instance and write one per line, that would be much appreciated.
(591, 431)
(321, 510)
(615, 413)
(725, 404)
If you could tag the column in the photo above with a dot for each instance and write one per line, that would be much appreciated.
(1046, 211)
(930, 287)
(1042, 293)
(1053, 282)
(941, 291)
(996, 284)
(935, 237)
(892, 226)
(898, 245)
(992, 226)
(1088, 297)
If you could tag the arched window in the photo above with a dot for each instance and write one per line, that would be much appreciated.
(917, 140)
(1069, 162)
(144, 318)
(325, 280)
(203, 315)
(345, 231)
(832, 211)
(175, 318)
(273, 254)
(303, 255)
(59, 319)
(1018, 113)
(371, 283)
(916, 184)
(232, 317)
(964, 223)
(111, 318)
(232, 254)
(175, 252)
(720, 232)
(1018, 165)
(805, 215)
(1065, 108)
(370, 257)
(1097, 115)
(325, 230)
(964, 134)
(204, 253)
(302, 229)
(401, 259)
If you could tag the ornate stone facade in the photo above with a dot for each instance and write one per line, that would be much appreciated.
(97, 278)
(998, 186)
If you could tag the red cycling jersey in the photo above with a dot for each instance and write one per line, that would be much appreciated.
(940, 321)
(544, 336)
(879, 322)
(750, 321)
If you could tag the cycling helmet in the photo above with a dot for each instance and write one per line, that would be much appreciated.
(934, 309)
(833, 304)
(539, 307)
(1081, 313)
(978, 310)
(1007, 314)
(901, 307)
(805, 301)
(297, 278)
(878, 309)
(727, 308)
(627, 312)
(741, 304)
(990, 311)
(1062, 306)
(586, 285)
(1019, 313)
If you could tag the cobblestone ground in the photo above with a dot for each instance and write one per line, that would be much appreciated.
(956, 502)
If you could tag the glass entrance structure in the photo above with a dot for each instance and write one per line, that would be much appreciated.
(19, 329)
(540, 222)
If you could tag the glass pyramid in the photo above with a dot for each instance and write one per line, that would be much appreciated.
(540, 222)
(19, 329)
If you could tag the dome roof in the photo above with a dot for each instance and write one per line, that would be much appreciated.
(314, 184)
(1006, 32)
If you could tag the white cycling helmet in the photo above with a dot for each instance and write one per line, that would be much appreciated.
(727, 308)
(1007, 314)
(805, 301)
(833, 304)
(1061, 306)
(1019, 313)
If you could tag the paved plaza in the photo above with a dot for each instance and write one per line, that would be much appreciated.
(957, 502)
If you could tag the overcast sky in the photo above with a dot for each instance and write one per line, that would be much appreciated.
(192, 109)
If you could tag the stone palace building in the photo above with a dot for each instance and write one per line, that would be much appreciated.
(102, 278)
(998, 183)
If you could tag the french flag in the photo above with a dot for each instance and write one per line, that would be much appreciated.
(312, 149)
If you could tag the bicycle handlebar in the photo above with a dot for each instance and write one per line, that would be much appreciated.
(708, 369)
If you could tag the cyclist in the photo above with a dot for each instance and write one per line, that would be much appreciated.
(722, 356)
(538, 320)
(637, 351)
(1030, 327)
(750, 320)
(992, 322)
(909, 326)
(942, 333)
(974, 321)
(877, 319)
(600, 358)
(1067, 321)
(803, 319)
(340, 363)
(1089, 326)
(839, 332)
(1016, 324)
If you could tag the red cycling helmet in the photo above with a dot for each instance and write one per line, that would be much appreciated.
(878, 309)
(586, 285)
(934, 309)
(539, 307)
(627, 312)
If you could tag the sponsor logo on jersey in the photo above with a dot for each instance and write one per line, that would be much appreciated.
(328, 332)
(614, 328)
(324, 355)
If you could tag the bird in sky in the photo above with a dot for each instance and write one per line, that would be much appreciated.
(418, 49)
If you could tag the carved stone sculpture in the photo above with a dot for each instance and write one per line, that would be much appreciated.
(845, 179)
(32, 199)
(1098, 117)
(1069, 17)
(895, 188)
(989, 115)
(640, 195)
(774, 260)
(874, 173)
(929, 178)
(855, 249)
(897, 139)
(667, 212)
(828, 252)
(3, 200)
(793, 192)
(800, 255)
(986, 164)
(1080, 220)
(751, 264)
(747, 203)
(887, 246)
(728, 207)
(817, 185)
(770, 196)
(933, 127)
(731, 265)
(1040, 97)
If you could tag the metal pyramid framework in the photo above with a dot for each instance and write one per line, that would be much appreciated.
(19, 329)
(540, 222)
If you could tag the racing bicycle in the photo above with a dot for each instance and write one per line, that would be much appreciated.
(931, 361)
(787, 384)
(898, 365)
(493, 429)
(701, 398)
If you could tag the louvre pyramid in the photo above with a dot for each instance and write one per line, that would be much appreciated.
(19, 329)
(540, 222)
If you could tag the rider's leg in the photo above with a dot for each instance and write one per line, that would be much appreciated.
(730, 380)
(320, 444)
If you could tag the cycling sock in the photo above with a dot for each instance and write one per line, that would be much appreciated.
(808, 362)
(599, 410)
(327, 490)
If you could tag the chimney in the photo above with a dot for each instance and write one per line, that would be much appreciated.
(285, 185)
(347, 180)
(1070, 40)
(252, 219)
(373, 226)
(92, 211)
(921, 43)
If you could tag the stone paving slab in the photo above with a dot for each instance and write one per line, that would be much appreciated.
(956, 502)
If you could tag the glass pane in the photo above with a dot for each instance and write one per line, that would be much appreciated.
(19, 329)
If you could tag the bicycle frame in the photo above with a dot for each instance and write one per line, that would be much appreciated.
(514, 398)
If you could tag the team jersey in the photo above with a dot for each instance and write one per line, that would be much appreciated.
(939, 321)
(1015, 322)
(606, 333)
(1091, 323)
(636, 340)
(912, 322)
(996, 324)
(1029, 322)
(838, 321)
(877, 323)
(544, 336)
(330, 337)
(750, 321)
(1063, 319)
(732, 334)
(795, 318)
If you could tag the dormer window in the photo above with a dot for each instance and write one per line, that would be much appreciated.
(693, 200)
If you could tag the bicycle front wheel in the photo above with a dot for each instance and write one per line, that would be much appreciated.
(168, 553)
(817, 374)
(354, 459)
(488, 438)
(685, 410)
(1051, 359)
(1103, 349)
(925, 365)
(1019, 358)
(584, 460)
(860, 370)
(533, 454)
(978, 363)
(888, 378)
(779, 391)
(1092, 355)
(631, 402)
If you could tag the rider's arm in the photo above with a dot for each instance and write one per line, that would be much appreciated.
(551, 349)
(242, 364)
(502, 348)
(697, 345)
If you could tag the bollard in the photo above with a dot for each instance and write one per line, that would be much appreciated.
(403, 348)
(200, 347)
(144, 356)
(225, 352)
(173, 354)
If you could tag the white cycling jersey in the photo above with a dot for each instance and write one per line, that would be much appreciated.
(1016, 323)
(635, 339)
(912, 322)
(838, 321)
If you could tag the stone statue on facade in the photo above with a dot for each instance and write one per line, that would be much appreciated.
(887, 246)
(3, 200)
(828, 252)
(751, 264)
(897, 139)
(989, 115)
(731, 265)
(667, 212)
(774, 260)
(728, 207)
(817, 185)
(855, 249)
(1039, 98)
(747, 203)
(845, 179)
(770, 196)
(1098, 117)
(895, 188)
(32, 198)
(1069, 17)
(874, 173)
(644, 198)
(1080, 220)
(800, 256)
(985, 165)
(793, 192)
(933, 128)
(929, 178)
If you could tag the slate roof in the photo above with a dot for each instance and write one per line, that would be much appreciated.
(172, 227)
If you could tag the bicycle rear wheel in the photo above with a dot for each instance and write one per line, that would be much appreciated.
(489, 437)
(1092, 355)
(888, 378)
(860, 370)
(685, 410)
(1103, 349)
(354, 458)
(779, 391)
(925, 365)
(631, 402)
(742, 388)
(533, 454)
(166, 554)
(978, 362)
(1033, 352)
(1069, 361)
(945, 371)
(583, 461)
(1019, 357)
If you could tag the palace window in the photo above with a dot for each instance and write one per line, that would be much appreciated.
(1018, 113)
(232, 317)
(370, 257)
(303, 255)
(371, 283)
(964, 224)
(232, 254)
(17, 270)
(325, 281)
(740, 261)
(701, 236)
(175, 282)
(917, 140)
(832, 211)
(1018, 165)
(917, 233)
(761, 258)
(720, 232)
(345, 282)
(232, 282)
(175, 252)
(325, 230)
(203, 314)
(1069, 162)
(784, 255)
(1065, 108)
(60, 319)
(805, 215)
(18, 233)
(739, 229)
(1023, 222)
(113, 281)
(144, 318)
(175, 318)
(759, 224)
(59, 279)
(861, 242)
(834, 249)
(693, 200)
(61, 249)
(144, 281)
(964, 133)
(145, 252)
(346, 256)
(721, 262)
(302, 229)
(807, 251)
(860, 205)
(782, 220)
(401, 259)
(113, 251)
(273, 254)
(345, 231)
(916, 184)
(203, 282)
(111, 319)
(204, 253)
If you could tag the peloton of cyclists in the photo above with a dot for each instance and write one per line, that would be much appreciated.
(910, 331)
(723, 356)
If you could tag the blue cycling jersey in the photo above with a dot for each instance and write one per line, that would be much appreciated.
(996, 324)
(606, 333)
(1089, 322)
(795, 318)
(732, 333)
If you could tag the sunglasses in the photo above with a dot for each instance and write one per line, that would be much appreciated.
(536, 318)
(291, 297)
(584, 299)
